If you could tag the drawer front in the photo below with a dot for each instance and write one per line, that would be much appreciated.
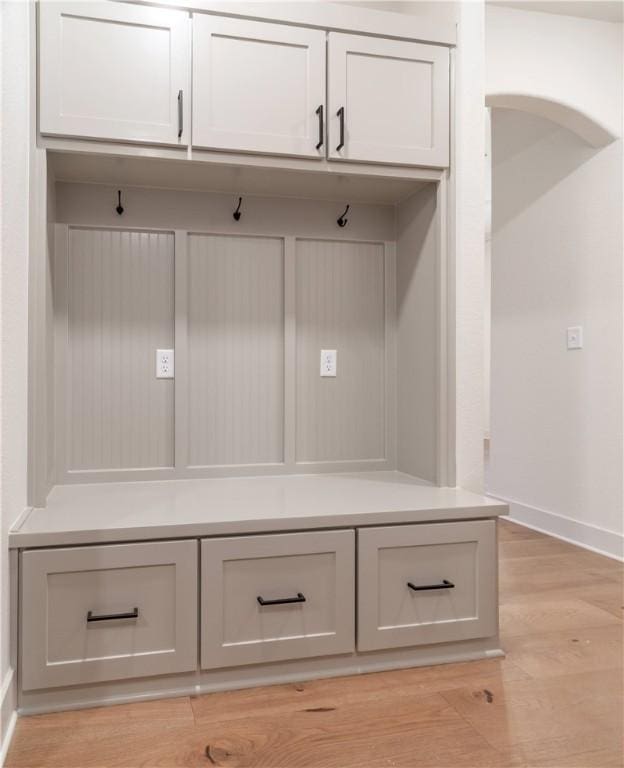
(421, 584)
(92, 614)
(269, 598)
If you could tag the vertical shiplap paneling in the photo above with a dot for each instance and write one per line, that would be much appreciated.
(235, 350)
(417, 336)
(340, 305)
(120, 310)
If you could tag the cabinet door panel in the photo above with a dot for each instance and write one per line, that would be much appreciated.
(113, 71)
(257, 86)
(94, 614)
(427, 583)
(395, 97)
(271, 598)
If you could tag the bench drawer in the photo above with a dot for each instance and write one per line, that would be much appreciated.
(270, 598)
(92, 614)
(421, 584)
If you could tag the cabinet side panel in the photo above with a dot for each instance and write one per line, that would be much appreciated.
(417, 400)
(120, 311)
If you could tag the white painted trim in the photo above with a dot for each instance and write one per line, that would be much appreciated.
(253, 676)
(585, 535)
(330, 16)
(8, 712)
(8, 737)
(21, 518)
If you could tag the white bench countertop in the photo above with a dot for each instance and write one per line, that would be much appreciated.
(138, 511)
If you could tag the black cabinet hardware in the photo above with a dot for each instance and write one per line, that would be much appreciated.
(133, 614)
(237, 213)
(444, 585)
(180, 113)
(319, 112)
(283, 601)
(341, 115)
(342, 219)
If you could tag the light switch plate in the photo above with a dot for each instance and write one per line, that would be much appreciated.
(165, 364)
(328, 362)
(575, 337)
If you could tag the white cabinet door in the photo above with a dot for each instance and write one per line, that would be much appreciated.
(258, 87)
(388, 101)
(114, 71)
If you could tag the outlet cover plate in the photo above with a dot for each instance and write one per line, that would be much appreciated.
(575, 337)
(165, 364)
(328, 362)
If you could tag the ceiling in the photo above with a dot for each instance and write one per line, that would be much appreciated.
(602, 10)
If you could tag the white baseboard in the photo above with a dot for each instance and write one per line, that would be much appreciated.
(8, 712)
(600, 540)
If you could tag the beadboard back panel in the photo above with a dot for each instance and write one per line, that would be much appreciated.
(248, 312)
(417, 336)
(117, 290)
(340, 305)
(235, 350)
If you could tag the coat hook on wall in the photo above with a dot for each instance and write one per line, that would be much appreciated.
(342, 220)
(120, 208)
(237, 213)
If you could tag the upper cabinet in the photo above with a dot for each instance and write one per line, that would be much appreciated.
(114, 71)
(121, 72)
(258, 87)
(388, 101)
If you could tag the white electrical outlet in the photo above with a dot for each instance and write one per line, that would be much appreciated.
(164, 364)
(328, 362)
(575, 337)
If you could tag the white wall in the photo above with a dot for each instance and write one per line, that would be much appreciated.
(556, 428)
(14, 170)
(557, 415)
(570, 68)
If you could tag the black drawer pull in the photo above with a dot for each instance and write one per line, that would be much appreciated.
(134, 614)
(283, 601)
(341, 115)
(444, 585)
(180, 113)
(319, 112)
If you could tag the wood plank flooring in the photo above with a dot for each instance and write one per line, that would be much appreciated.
(556, 700)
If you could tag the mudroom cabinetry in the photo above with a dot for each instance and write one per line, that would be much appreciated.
(388, 101)
(258, 87)
(242, 374)
(114, 71)
(121, 72)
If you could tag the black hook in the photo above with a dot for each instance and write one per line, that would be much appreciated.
(237, 212)
(119, 208)
(342, 221)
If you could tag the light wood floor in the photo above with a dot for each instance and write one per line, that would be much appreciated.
(556, 700)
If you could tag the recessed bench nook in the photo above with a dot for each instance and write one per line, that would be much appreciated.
(242, 438)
